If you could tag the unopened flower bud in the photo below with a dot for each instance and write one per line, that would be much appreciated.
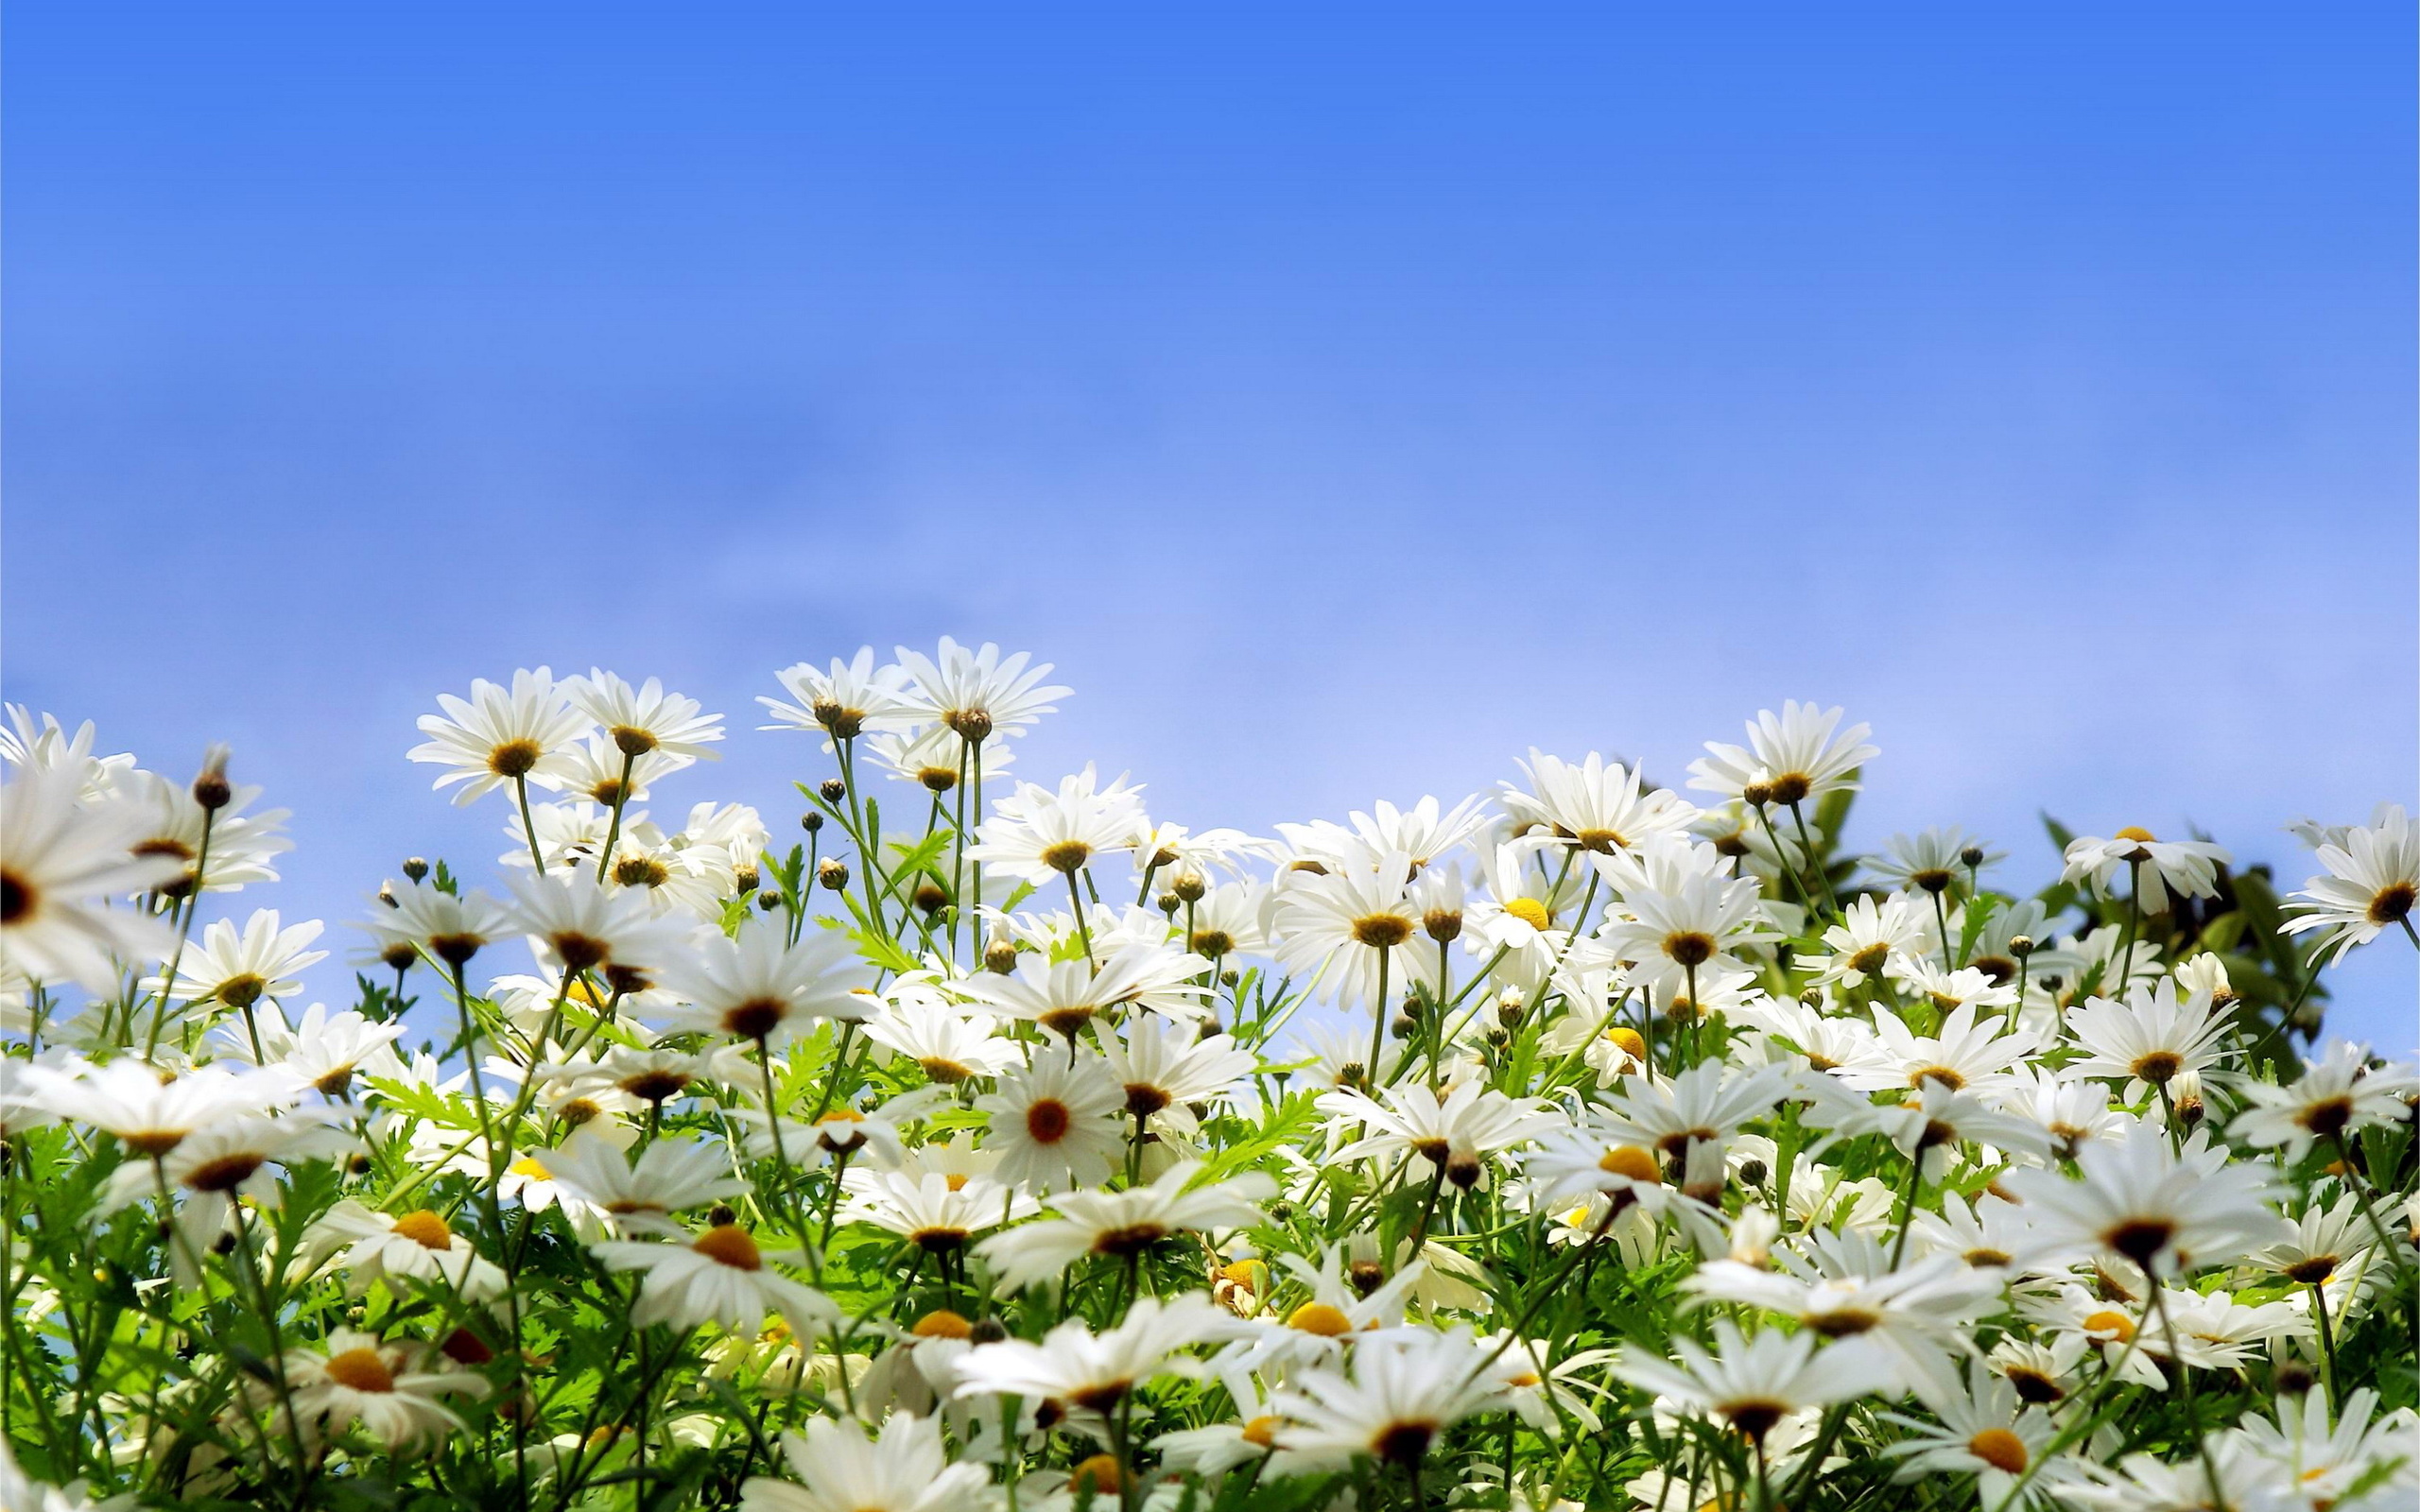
(811, 821)
(1972, 856)
(1402, 1027)
(223, 1245)
(930, 897)
(416, 868)
(833, 789)
(1189, 885)
(1757, 795)
(1170, 902)
(721, 1217)
(1753, 1173)
(745, 880)
(2020, 946)
(1365, 1276)
(831, 874)
(1499, 1039)
(987, 1330)
(211, 789)
(769, 900)
(1000, 956)
(1463, 1170)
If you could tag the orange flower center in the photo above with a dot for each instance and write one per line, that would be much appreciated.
(361, 1369)
(425, 1229)
(1320, 1318)
(2000, 1449)
(729, 1244)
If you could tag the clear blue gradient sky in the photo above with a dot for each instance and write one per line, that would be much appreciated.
(1343, 399)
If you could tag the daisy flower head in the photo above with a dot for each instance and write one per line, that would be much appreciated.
(669, 1175)
(1123, 1225)
(372, 1247)
(2337, 1096)
(61, 866)
(717, 1276)
(222, 848)
(760, 987)
(1871, 934)
(977, 692)
(1799, 754)
(1403, 1389)
(842, 1467)
(356, 1378)
(1456, 1133)
(150, 1113)
(240, 967)
(1752, 1381)
(500, 735)
(453, 927)
(1166, 1068)
(1344, 921)
(595, 770)
(322, 1050)
(1689, 930)
(949, 1046)
(1093, 1372)
(1038, 835)
(213, 1168)
(579, 924)
(935, 758)
(937, 1211)
(1593, 805)
(2150, 1039)
(1064, 996)
(845, 699)
(1931, 861)
(1057, 1122)
(646, 719)
(1981, 1429)
(2169, 1214)
(2372, 879)
(2187, 868)
(45, 744)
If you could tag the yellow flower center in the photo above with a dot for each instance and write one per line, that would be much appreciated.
(1261, 1431)
(425, 1229)
(2000, 1449)
(1530, 911)
(942, 1323)
(1320, 1318)
(2135, 833)
(728, 1243)
(361, 1369)
(1632, 1161)
(2118, 1325)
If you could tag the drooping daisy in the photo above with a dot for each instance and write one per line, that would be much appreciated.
(354, 1378)
(2187, 868)
(1124, 1225)
(322, 1050)
(1073, 1365)
(840, 1468)
(845, 700)
(581, 925)
(938, 1211)
(61, 865)
(2372, 879)
(1055, 1123)
(719, 1276)
(451, 927)
(500, 735)
(1801, 753)
(2167, 1214)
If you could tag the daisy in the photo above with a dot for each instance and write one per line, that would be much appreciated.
(840, 1468)
(977, 693)
(1706, 1104)
(61, 865)
(1971, 1052)
(2372, 879)
(1055, 1123)
(213, 1168)
(417, 1245)
(1933, 1122)
(1753, 1382)
(500, 735)
(577, 925)
(239, 968)
(1124, 1225)
(354, 1378)
(1594, 804)
(1912, 1322)
(1455, 1133)
(451, 927)
(1799, 754)
(595, 770)
(2071, 1112)
(323, 1050)
(948, 1046)
(2326, 1240)
(2150, 1039)
(1342, 923)
(646, 719)
(1403, 1390)
(669, 1175)
(1932, 861)
(760, 988)
(2336, 1096)
(48, 746)
(1679, 937)
(845, 700)
(1038, 835)
(1074, 1366)
(717, 1277)
(2167, 1214)
(1229, 919)
(151, 1116)
(1166, 1068)
(1870, 934)
(937, 1211)
(1063, 996)
(2327, 1462)
(1984, 1431)
(240, 847)
(2187, 868)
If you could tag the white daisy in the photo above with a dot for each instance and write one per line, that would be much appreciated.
(500, 735)
(60, 868)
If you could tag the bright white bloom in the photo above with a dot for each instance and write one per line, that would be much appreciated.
(977, 693)
(1056, 1124)
(761, 987)
(1753, 1382)
(355, 1379)
(1799, 754)
(419, 1245)
(2188, 868)
(719, 1276)
(1594, 804)
(1124, 1225)
(2372, 882)
(845, 700)
(840, 1468)
(60, 868)
(2169, 1215)
(2150, 1039)
(500, 735)
(2337, 1096)
(669, 1175)
(1403, 1392)
(645, 719)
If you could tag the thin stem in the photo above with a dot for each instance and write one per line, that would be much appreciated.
(621, 802)
(529, 825)
(1815, 861)
(2184, 1388)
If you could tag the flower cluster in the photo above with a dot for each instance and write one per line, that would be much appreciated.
(986, 1142)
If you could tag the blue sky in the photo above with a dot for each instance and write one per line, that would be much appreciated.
(1344, 398)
